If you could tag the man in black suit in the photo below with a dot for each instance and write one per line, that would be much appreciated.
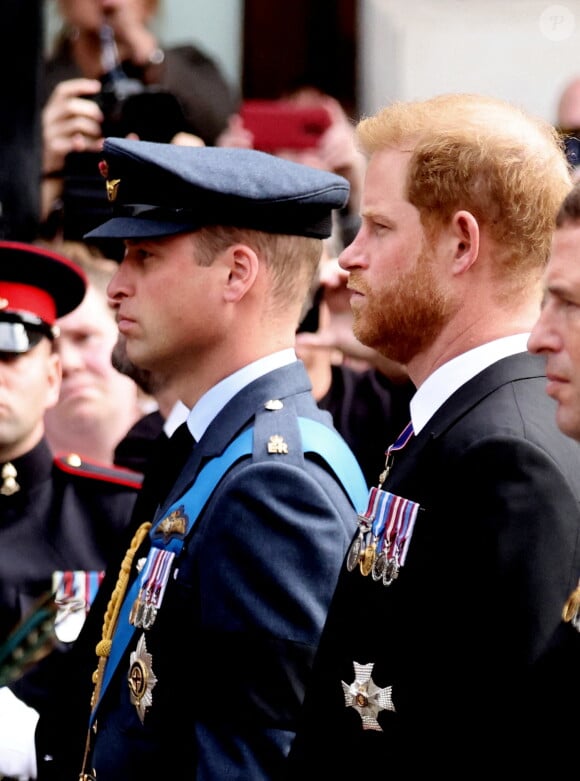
(442, 648)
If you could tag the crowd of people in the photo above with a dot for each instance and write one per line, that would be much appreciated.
(290, 439)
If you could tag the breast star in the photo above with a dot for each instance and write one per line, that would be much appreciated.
(366, 697)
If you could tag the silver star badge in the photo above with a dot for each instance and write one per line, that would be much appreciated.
(365, 697)
(141, 678)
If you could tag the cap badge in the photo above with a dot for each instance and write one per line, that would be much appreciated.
(9, 484)
(4, 303)
(365, 696)
(112, 187)
(277, 445)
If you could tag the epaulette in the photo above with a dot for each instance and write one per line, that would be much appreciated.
(279, 432)
(276, 432)
(73, 464)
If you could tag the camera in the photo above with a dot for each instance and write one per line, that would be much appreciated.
(572, 148)
(129, 106)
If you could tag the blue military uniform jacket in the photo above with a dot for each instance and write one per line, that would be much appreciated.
(232, 644)
(57, 515)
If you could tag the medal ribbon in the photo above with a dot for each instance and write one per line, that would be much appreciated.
(389, 520)
(162, 571)
(402, 439)
(392, 528)
(79, 585)
(371, 511)
(153, 582)
(398, 444)
(405, 531)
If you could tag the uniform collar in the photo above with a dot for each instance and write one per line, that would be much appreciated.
(212, 402)
(27, 470)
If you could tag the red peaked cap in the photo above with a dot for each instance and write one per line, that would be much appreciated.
(38, 282)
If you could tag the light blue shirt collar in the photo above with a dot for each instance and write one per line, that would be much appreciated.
(176, 417)
(216, 398)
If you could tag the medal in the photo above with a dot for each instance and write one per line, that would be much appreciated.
(384, 530)
(377, 516)
(353, 556)
(379, 565)
(367, 559)
(366, 697)
(407, 514)
(391, 572)
(388, 523)
(154, 578)
(74, 591)
(571, 610)
(141, 678)
(398, 444)
(356, 553)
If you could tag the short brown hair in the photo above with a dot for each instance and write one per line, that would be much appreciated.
(484, 155)
(292, 260)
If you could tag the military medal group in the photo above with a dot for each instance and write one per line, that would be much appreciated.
(155, 571)
(379, 550)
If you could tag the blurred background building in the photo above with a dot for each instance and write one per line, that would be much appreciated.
(366, 53)
(369, 52)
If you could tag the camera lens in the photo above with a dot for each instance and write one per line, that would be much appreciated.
(572, 147)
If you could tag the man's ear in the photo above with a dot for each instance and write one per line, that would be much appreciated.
(54, 379)
(243, 269)
(464, 230)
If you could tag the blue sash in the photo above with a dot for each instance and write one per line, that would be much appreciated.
(316, 438)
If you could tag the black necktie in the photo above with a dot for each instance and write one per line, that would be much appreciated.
(181, 441)
(168, 459)
(176, 453)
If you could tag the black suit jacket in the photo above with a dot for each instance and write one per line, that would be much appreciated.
(469, 637)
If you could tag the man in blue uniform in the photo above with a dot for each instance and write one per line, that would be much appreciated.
(211, 628)
(59, 517)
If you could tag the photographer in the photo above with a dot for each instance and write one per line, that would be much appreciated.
(183, 89)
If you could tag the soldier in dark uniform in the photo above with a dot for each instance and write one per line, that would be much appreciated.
(59, 517)
(201, 672)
